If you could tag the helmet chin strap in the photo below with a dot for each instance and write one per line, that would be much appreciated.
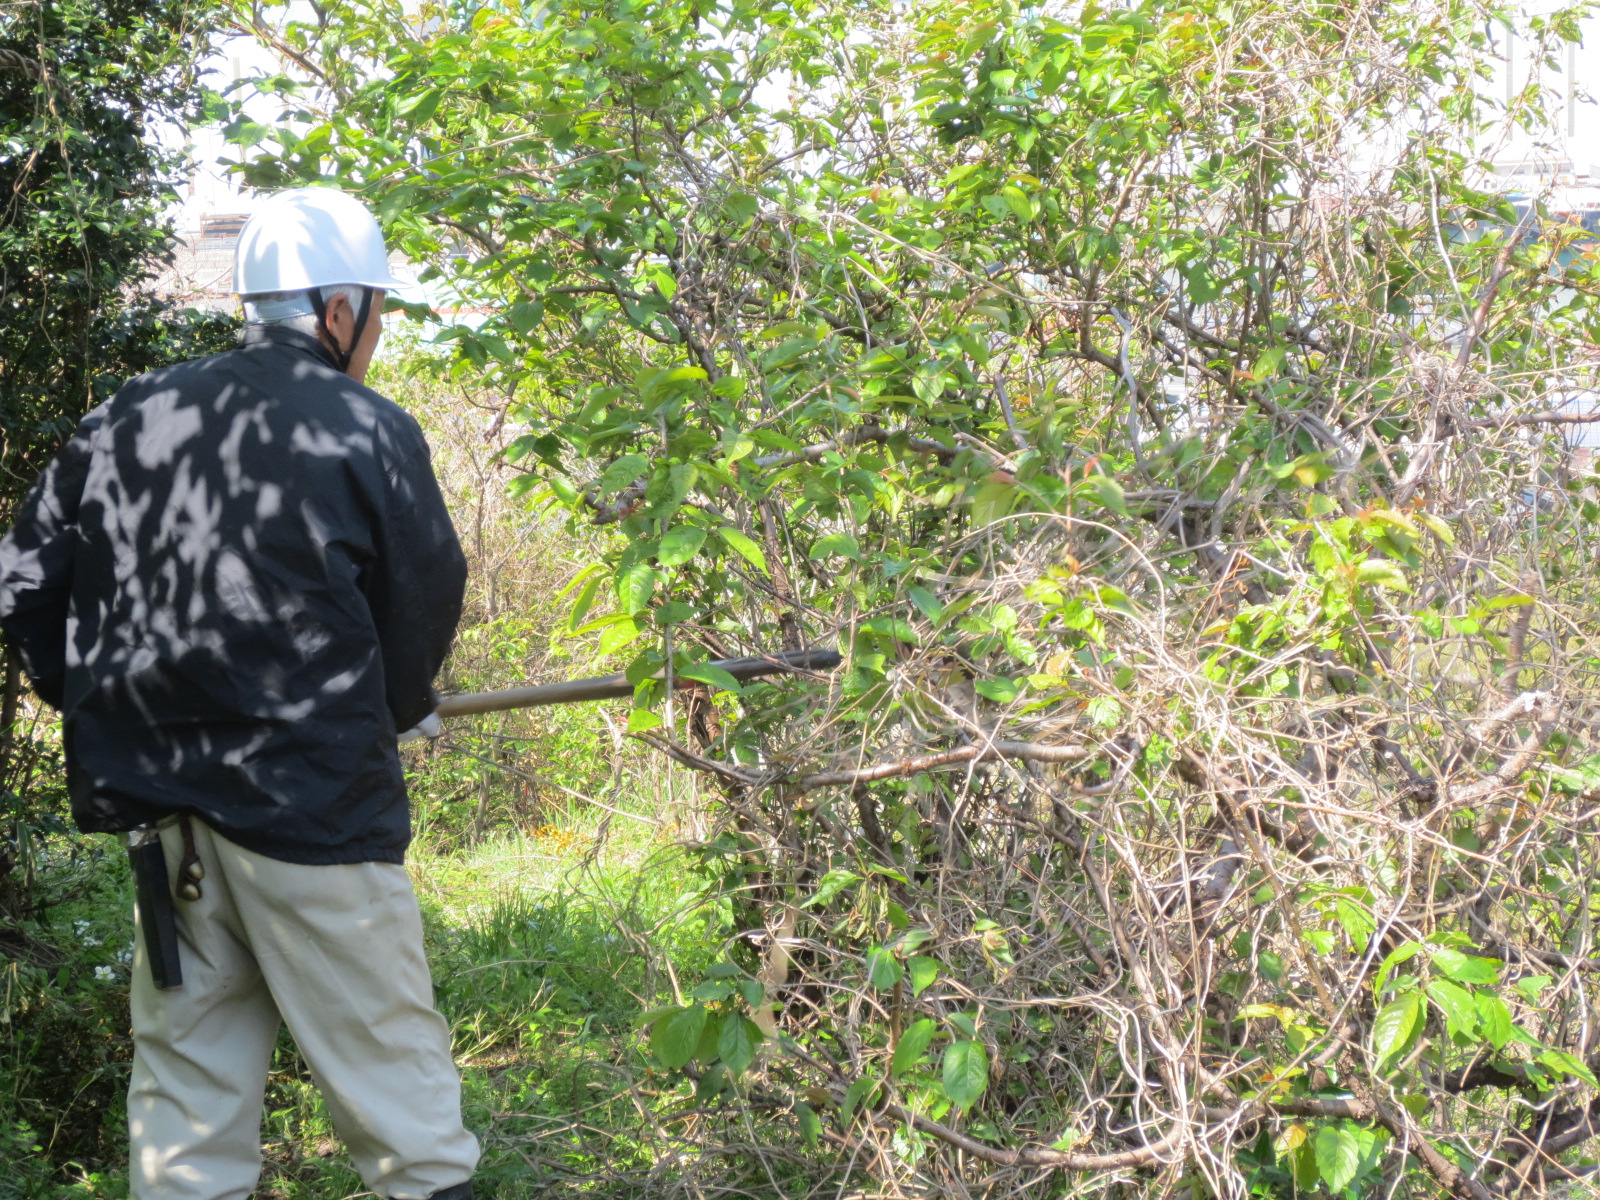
(319, 306)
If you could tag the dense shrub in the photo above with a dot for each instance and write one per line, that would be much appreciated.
(1162, 411)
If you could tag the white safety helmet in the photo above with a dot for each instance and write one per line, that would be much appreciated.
(308, 238)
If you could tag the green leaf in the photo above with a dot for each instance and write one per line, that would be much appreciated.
(1494, 1018)
(730, 387)
(1356, 922)
(745, 547)
(676, 1036)
(706, 1051)
(1465, 968)
(921, 971)
(926, 603)
(1103, 711)
(1566, 1064)
(1303, 1165)
(965, 1022)
(1436, 526)
(1108, 491)
(786, 352)
(841, 544)
(1204, 287)
(1269, 363)
(635, 586)
(673, 612)
(1460, 1013)
(420, 105)
(966, 1073)
(617, 636)
(525, 317)
(810, 1124)
(1395, 957)
(913, 1045)
(1383, 573)
(883, 968)
(1399, 520)
(1510, 600)
(1395, 1027)
(832, 884)
(1338, 1157)
(717, 677)
(1323, 941)
(992, 502)
(861, 1090)
(651, 1015)
(585, 600)
(642, 719)
(1001, 691)
(737, 1041)
(1531, 985)
(1019, 203)
(891, 627)
(622, 473)
(664, 282)
(680, 545)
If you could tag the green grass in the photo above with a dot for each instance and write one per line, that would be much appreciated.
(544, 948)
(543, 953)
(63, 1020)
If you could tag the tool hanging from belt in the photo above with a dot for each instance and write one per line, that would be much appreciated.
(190, 872)
(154, 891)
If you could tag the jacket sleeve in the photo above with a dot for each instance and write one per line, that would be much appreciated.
(416, 587)
(36, 563)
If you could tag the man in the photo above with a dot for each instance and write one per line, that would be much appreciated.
(237, 581)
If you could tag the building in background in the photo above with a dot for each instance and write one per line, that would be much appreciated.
(1557, 165)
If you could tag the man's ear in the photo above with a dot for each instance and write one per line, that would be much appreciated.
(339, 319)
(337, 306)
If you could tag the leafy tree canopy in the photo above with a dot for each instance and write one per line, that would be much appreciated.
(85, 86)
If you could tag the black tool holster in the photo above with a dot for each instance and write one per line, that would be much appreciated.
(157, 913)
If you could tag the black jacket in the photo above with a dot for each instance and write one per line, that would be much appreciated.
(236, 581)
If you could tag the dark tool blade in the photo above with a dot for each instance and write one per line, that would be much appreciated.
(156, 912)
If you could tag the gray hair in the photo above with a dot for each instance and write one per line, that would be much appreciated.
(293, 310)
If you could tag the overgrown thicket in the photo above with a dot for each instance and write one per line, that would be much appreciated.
(1164, 412)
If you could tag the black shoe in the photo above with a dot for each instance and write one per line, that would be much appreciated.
(461, 1191)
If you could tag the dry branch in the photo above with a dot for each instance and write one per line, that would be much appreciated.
(20, 64)
(898, 769)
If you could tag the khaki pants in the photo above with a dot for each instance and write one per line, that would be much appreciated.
(334, 952)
